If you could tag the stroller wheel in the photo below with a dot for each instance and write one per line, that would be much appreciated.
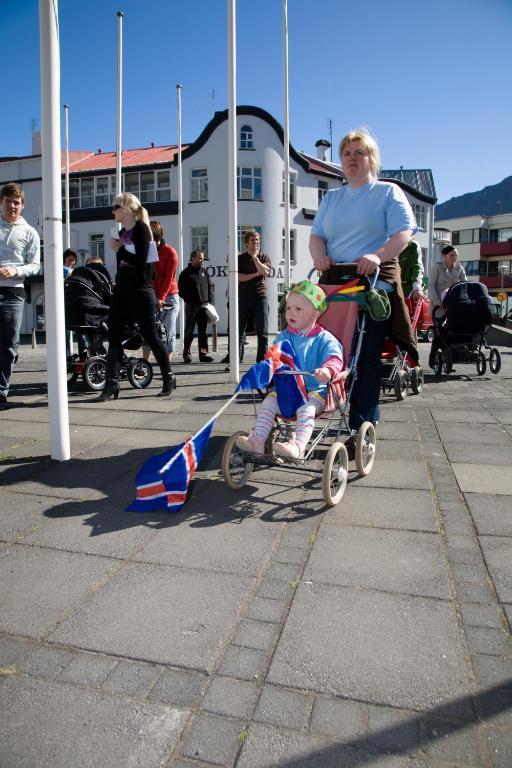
(495, 360)
(481, 364)
(401, 385)
(438, 363)
(236, 469)
(140, 373)
(95, 372)
(365, 448)
(430, 335)
(416, 380)
(335, 474)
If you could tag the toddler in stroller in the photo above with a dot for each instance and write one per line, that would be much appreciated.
(461, 332)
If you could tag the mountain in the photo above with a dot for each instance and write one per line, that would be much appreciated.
(487, 202)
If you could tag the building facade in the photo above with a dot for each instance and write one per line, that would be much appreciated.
(151, 173)
(484, 244)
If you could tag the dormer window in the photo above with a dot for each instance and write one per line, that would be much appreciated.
(246, 137)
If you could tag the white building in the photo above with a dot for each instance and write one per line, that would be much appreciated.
(152, 174)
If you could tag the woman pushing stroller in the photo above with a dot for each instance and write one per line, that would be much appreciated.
(134, 296)
(317, 351)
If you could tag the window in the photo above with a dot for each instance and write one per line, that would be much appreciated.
(420, 214)
(504, 235)
(455, 238)
(199, 185)
(293, 188)
(465, 236)
(131, 183)
(293, 257)
(246, 137)
(323, 188)
(74, 193)
(87, 192)
(199, 239)
(97, 245)
(242, 231)
(163, 186)
(248, 183)
(147, 187)
(102, 193)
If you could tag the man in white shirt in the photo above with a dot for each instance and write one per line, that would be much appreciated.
(19, 258)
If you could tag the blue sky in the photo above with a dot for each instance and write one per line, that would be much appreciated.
(432, 80)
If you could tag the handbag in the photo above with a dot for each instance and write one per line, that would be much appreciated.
(211, 313)
(152, 252)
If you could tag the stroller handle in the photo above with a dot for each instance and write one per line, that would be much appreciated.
(372, 278)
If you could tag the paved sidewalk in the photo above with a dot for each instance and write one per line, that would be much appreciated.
(256, 628)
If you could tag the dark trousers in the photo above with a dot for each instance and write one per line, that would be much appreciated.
(257, 308)
(137, 305)
(195, 316)
(364, 402)
(12, 303)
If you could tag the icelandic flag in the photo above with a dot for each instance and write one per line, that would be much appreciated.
(164, 479)
(291, 389)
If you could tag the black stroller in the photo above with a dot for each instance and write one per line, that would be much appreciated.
(461, 332)
(87, 295)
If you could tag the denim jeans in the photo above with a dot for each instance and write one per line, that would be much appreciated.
(168, 316)
(257, 308)
(364, 402)
(11, 315)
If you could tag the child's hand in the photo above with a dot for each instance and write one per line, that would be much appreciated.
(323, 375)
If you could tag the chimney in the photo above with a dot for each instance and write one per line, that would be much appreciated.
(99, 151)
(36, 143)
(322, 145)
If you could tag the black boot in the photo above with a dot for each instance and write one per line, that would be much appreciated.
(111, 389)
(169, 383)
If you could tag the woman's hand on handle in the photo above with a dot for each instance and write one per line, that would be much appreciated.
(367, 264)
(318, 253)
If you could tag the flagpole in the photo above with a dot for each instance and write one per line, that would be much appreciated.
(286, 152)
(232, 200)
(52, 230)
(120, 15)
(66, 182)
(180, 216)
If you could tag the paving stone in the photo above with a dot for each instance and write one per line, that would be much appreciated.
(477, 478)
(448, 741)
(283, 571)
(500, 748)
(464, 434)
(275, 590)
(87, 669)
(178, 688)
(235, 698)
(495, 707)
(20, 513)
(490, 513)
(384, 508)
(243, 663)
(493, 672)
(29, 605)
(46, 662)
(392, 730)
(508, 613)
(467, 555)
(280, 707)
(469, 573)
(289, 555)
(268, 747)
(59, 720)
(255, 634)
(495, 642)
(131, 679)
(475, 615)
(393, 474)
(395, 561)
(371, 646)
(262, 609)
(214, 739)
(194, 616)
(225, 546)
(474, 593)
(12, 651)
(339, 719)
(498, 557)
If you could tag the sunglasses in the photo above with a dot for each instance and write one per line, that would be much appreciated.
(116, 207)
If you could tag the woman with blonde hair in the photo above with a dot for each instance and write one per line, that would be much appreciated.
(134, 296)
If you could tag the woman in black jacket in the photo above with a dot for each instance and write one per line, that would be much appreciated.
(134, 296)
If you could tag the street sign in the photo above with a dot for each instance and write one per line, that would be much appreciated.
(501, 296)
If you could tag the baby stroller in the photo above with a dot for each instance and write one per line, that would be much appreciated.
(398, 370)
(326, 446)
(461, 331)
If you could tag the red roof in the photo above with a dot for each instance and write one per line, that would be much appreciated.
(130, 157)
